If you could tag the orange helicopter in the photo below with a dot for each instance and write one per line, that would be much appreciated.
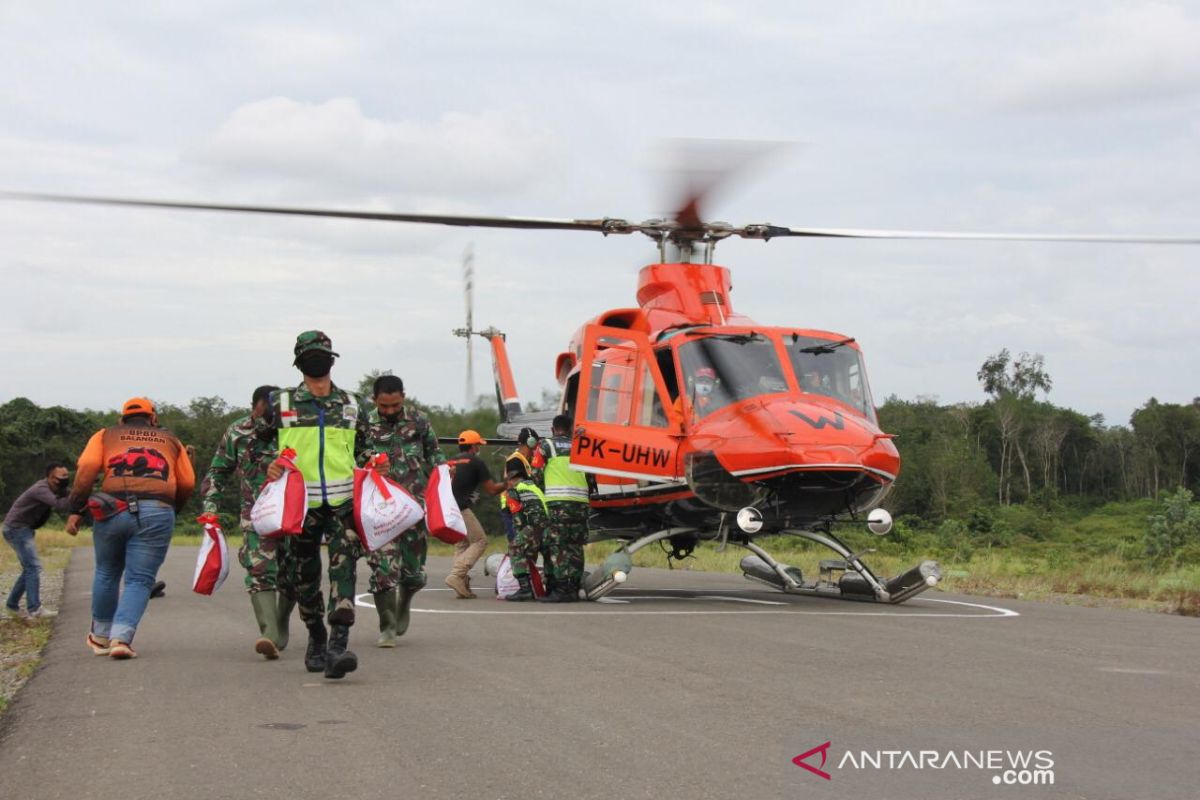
(696, 423)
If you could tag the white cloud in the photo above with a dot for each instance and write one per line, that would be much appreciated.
(1121, 55)
(293, 47)
(334, 144)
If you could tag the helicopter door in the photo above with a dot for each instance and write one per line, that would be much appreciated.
(622, 425)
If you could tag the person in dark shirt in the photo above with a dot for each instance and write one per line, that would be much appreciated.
(470, 476)
(30, 512)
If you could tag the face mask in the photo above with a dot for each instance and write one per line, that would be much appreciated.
(391, 418)
(704, 388)
(315, 364)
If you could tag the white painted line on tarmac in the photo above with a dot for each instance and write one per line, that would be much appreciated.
(1132, 671)
(995, 612)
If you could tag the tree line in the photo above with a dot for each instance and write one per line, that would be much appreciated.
(1015, 447)
(31, 436)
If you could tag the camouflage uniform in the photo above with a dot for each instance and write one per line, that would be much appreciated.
(567, 530)
(412, 449)
(528, 508)
(246, 450)
(568, 526)
(327, 522)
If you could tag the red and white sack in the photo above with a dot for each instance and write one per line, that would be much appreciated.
(281, 504)
(383, 509)
(443, 518)
(508, 585)
(212, 565)
(506, 582)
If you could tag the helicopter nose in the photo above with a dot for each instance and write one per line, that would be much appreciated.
(816, 433)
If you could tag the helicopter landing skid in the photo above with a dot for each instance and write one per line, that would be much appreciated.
(616, 568)
(846, 578)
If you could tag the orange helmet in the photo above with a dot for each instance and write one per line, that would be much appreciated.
(471, 437)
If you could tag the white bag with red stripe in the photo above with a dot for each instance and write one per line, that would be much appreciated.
(212, 565)
(282, 504)
(442, 515)
(383, 509)
(507, 584)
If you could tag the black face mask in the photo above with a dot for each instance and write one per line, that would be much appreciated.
(315, 364)
(391, 419)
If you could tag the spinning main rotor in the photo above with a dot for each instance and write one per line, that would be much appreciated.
(681, 239)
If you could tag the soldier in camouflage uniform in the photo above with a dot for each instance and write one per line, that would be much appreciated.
(398, 568)
(244, 453)
(567, 501)
(327, 427)
(525, 501)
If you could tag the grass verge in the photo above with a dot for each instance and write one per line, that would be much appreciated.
(22, 640)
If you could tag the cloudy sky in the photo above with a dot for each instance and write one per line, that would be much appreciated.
(1020, 116)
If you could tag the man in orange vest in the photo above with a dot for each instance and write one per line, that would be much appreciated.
(145, 478)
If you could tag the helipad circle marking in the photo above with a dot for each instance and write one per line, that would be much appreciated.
(996, 611)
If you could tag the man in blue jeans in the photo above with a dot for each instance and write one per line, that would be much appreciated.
(30, 512)
(145, 477)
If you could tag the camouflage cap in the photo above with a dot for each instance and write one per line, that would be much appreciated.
(313, 340)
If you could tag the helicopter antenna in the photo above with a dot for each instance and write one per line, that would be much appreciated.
(468, 271)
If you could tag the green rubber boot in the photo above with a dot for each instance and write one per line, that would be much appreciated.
(283, 616)
(385, 606)
(268, 625)
(403, 603)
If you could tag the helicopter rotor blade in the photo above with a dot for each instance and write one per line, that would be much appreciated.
(699, 168)
(773, 231)
(605, 225)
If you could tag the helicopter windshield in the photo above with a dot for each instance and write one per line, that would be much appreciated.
(719, 370)
(831, 368)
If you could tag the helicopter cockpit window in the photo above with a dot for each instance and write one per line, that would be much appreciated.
(719, 370)
(828, 367)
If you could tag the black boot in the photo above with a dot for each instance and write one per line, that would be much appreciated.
(314, 655)
(339, 660)
(525, 593)
(571, 593)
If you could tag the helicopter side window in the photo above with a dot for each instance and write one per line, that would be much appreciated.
(612, 394)
(650, 411)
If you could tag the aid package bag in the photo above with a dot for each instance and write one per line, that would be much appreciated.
(442, 515)
(508, 585)
(282, 503)
(383, 509)
(212, 564)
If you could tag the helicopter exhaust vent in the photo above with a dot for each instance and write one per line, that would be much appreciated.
(712, 298)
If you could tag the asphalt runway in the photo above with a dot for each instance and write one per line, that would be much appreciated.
(686, 685)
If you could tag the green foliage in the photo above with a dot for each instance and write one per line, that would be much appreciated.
(1173, 534)
(955, 541)
(30, 436)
